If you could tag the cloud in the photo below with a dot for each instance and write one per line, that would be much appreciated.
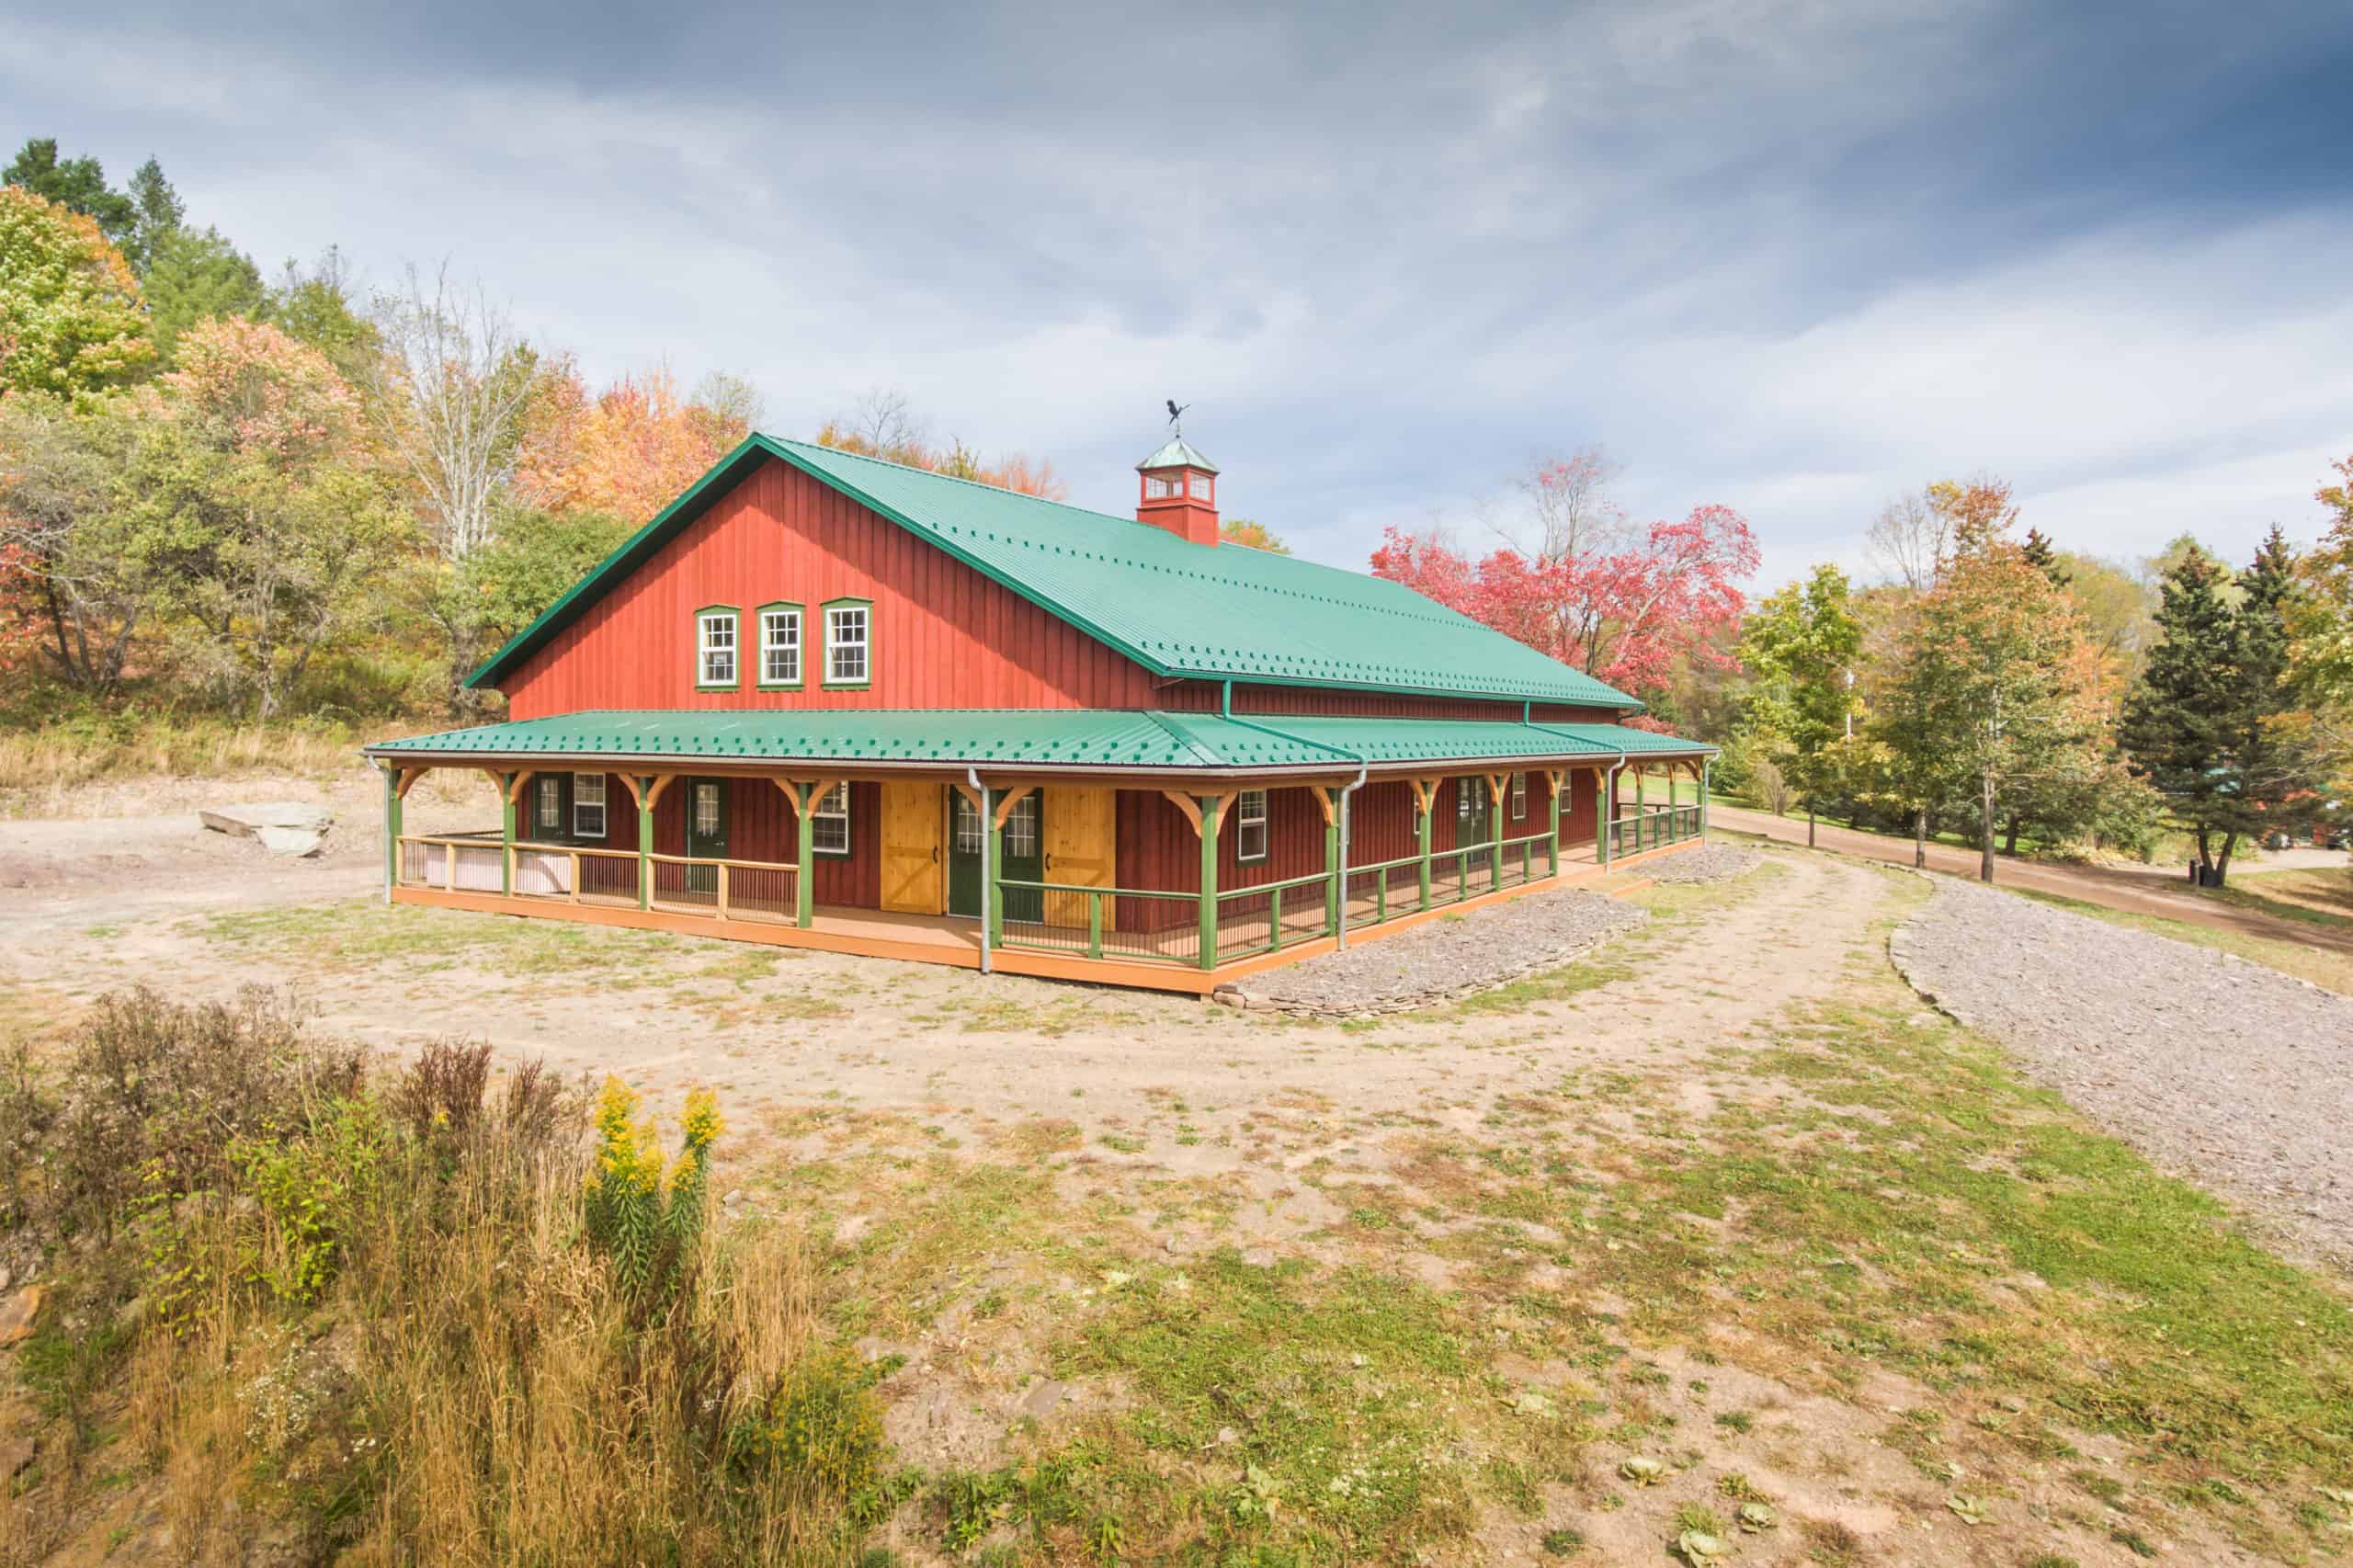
(1792, 255)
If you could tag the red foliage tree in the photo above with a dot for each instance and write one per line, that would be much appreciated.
(1625, 605)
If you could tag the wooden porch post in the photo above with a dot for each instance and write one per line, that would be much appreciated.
(392, 831)
(1335, 894)
(1213, 809)
(1553, 780)
(804, 881)
(505, 832)
(644, 840)
(1426, 793)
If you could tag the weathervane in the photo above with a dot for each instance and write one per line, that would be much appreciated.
(1175, 416)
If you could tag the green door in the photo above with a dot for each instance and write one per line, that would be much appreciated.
(1025, 857)
(965, 840)
(706, 831)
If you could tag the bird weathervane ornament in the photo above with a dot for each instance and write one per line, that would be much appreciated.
(1176, 417)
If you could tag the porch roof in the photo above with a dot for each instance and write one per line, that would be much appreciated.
(1112, 740)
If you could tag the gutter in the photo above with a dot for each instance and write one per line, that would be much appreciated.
(1364, 767)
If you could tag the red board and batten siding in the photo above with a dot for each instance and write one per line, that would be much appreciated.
(942, 635)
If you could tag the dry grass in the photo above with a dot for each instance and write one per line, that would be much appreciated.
(388, 1323)
(39, 764)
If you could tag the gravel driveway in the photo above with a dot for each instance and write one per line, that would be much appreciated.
(2224, 1071)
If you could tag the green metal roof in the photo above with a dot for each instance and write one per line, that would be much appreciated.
(1048, 738)
(1177, 453)
(1178, 608)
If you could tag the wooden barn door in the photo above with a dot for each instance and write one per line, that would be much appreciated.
(914, 879)
(1080, 838)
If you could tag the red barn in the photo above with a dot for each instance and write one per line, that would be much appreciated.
(829, 701)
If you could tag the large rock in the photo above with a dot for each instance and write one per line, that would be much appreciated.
(18, 1313)
(282, 827)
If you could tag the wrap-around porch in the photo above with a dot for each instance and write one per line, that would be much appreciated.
(1175, 884)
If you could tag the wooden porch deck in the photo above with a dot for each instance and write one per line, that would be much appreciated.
(1159, 962)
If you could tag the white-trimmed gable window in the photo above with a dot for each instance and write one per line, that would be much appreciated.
(1519, 797)
(846, 661)
(715, 647)
(829, 821)
(588, 805)
(1250, 825)
(781, 645)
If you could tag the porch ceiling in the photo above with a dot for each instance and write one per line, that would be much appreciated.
(1048, 740)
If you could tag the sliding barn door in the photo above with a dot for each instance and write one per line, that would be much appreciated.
(915, 876)
(1080, 838)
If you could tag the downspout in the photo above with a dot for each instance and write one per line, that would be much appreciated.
(1225, 711)
(1603, 825)
(988, 855)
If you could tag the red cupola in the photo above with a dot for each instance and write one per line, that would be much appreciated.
(1180, 493)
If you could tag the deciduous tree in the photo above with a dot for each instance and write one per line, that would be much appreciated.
(1799, 648)
(70, 318)
(1254, 533)
(77, 184)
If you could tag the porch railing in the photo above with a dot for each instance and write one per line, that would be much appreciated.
(1651, 829)
(1273, 916)
(454, 862)
(1381, 892)
(1136, 925)
(725, 890)
(575, 874)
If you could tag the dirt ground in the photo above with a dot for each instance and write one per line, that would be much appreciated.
(2139, 890)
(863, 1094)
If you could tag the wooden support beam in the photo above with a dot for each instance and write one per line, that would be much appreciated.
(1323, 799)
(1495, 785)
(661, 782)
(408, 778)
(1423, 791)
(1191, 805)
(979, 805)
(522, 775)
(636, 789)
(1011, 799)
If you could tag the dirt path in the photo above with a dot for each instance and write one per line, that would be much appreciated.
(2149, 891)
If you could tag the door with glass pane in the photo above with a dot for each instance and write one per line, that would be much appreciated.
(966, 839)
(1025, 859)
(706, 832)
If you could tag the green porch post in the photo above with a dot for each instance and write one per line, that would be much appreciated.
(804, 890)
(1422, 831)
(1209, 804)
(992, 867)
(1605, 804)
(1496, 799)
(1553, 844)
(507, 832)
(1706, 770)
(1335, 896)
(392, 831)
(645, 841)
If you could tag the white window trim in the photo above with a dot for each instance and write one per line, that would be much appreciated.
(821, 814)
(1244, 821)
(798, 647)
(705, 622)
(1519, 797)
(864, 644)
(580, 783)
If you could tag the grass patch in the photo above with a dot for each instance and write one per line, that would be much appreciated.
(2318, 896)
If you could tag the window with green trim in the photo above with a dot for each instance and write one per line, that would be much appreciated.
(715, 648)
(829, 821)
(1250, 826)
(849, 660)
(780, 644)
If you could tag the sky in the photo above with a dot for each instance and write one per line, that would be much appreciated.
(1792, 258)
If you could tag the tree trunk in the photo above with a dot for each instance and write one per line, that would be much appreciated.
(2010, 837)
(2222, 866)
(1985, 833)
(1920, 838)
(1809, 821)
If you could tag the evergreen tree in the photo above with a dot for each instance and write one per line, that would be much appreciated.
(2214, 724)
(2045, 559)
(156, 212)
(76, 183)
(196, 274)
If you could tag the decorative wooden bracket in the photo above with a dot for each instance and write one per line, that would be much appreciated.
(1325, 799)
(522, 775)
(1012, 798)
(407, 778)
(653, 796)
(979, 806)
(1424, 790)
(1191, 806)
(1496, 782)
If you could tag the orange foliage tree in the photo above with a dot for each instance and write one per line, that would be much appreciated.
(630, 449)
